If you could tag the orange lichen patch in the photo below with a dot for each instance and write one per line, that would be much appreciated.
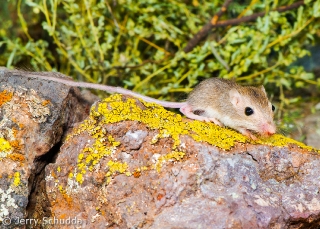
(160, 196)
(16, 157)
(63, 216)
(53, 175)
(5, 96)
(45, 102)
(15, 145)
(136, 174)
(65, 196)
(14, 131)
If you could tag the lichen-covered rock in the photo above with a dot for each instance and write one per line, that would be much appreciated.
(133, 164)
(35, 115)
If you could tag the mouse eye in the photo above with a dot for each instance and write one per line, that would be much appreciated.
(273, 108)
(248, 111)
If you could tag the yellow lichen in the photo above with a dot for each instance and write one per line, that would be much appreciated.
(4, 145)
(115, 166)
(113, 110)
(169, 125)
(174, 155)
(281, 141)
(60, 187)
(104, 145)
(16, 180)
(79, 178)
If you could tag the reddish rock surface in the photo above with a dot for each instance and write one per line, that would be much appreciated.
(123, 175)
(35, 115)
(261, 187)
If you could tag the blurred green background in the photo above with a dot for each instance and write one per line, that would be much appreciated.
(139, 45)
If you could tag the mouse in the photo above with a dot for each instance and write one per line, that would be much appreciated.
(245, 109)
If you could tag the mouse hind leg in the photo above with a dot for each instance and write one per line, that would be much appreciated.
(188, 112)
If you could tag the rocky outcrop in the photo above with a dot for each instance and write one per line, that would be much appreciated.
(35, 115)
(131, 164)
(311, 129)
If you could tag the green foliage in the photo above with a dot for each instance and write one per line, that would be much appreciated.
(139, 44)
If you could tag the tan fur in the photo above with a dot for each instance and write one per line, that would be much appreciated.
(214, 97)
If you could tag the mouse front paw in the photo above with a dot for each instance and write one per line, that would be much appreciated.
(215, 121)
(248, 134)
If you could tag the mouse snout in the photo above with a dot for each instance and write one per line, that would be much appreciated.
(268, 128)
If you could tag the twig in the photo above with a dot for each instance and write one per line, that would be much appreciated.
(206, 28)
(222, 10)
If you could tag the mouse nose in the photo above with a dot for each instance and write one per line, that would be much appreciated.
(268, 128)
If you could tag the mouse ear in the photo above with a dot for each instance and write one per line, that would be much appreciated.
(262, 89)
(235, 97)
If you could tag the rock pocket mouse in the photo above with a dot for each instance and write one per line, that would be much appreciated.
(243, 108)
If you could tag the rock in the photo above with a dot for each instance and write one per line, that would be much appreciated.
(35, 115)
(132, 164)
(311, 129)
(162, 181)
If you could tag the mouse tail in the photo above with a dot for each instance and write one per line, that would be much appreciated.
(149, 99)
(107, 88)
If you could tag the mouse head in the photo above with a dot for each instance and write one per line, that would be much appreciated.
(253, 109)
